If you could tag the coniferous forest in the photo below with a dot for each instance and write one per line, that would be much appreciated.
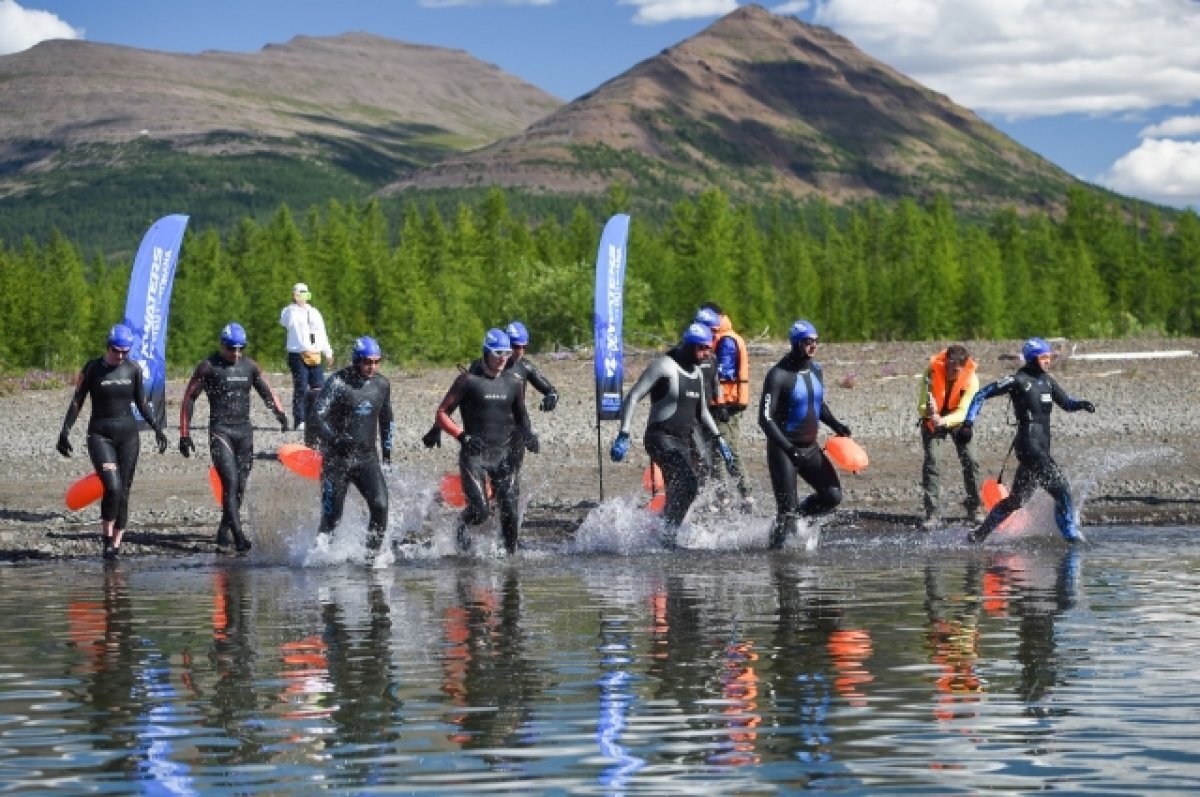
(429, 281)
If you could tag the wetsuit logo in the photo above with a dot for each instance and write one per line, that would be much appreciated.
(363, 408)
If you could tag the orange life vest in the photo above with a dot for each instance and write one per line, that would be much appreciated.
(945, 402)
(734, 393)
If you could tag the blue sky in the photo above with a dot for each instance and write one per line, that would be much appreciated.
(1107, 89)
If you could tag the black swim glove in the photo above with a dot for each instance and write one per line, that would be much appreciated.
(471, 444)
(549, 402)
(620, 447)
(1086, 406)
(433, 437)
(965, 432)
(387, 456)
(532, 444)
(281, 416)
(161, 439)
(186, 446)
(64, 443)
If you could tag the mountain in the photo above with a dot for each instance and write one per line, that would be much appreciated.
(84, 125)
(762, 105)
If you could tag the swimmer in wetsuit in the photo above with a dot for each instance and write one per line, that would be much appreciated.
(1034, 394)
(226, 377)
(355, 407)
(790, 411)
(495, 428)
(116, 387)
(677, 404)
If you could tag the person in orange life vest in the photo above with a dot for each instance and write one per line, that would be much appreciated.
(728, 386)
(945, 394)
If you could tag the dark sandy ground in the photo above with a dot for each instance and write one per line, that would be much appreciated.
(1134, 462)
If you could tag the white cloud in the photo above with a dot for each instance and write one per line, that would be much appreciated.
(1025, 58)
(792, 7)
(1160, 170)
(652, 12)
(21, 28)
(1175, 126)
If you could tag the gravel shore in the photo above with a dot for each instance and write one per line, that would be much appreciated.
(1134, 462)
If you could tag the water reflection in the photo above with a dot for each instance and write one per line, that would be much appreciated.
(927, 671)
(486, 671)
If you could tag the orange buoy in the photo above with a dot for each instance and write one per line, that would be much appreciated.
(452, 491)
(300, 460)
(846, 454)
(993, 493)
(657, 503)
(214, 481)
(652, 479)
(84, 491)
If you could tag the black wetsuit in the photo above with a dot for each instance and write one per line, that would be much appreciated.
(1033, 393)
(230, 433)
(493, 410)
(678, 403)
(791, 408)
(112, 433)
(350, 412)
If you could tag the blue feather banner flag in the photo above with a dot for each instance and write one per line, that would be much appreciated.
(608, 315)
(148, 304)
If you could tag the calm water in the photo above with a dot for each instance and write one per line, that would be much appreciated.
(882, 665)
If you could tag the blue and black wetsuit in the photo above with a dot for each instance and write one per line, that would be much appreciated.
(230, 433)
(1033, 393)
(790, 411)
(351, 413)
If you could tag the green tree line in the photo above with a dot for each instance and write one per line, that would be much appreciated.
(428, 282)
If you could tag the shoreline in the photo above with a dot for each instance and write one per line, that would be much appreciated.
(1136, 462)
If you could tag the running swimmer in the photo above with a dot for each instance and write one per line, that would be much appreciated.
(677, 404)
(1033, 393)
(116, 387)
(354, 408)
(495, 428)
(226, 377)
(791, 408)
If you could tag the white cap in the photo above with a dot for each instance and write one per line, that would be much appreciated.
(299, 287)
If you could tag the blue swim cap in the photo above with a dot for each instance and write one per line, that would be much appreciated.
(365, 347)
(697, 334)
(518, 335)
(497, 342)
(802, 330)
(121, 337)
(233, 335)
(708, 317)
(1034, 348)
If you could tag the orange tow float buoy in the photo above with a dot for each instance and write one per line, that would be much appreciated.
(993, 492)
(300, 460)
(84, 491)
(452, 491)
(846, 454)
(214, 481)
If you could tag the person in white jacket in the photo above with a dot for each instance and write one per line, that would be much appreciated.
(307, 342)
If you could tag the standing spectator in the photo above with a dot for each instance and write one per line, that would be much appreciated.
(226, 377)
(307, 341)
(946, 392)
(353, 409)
(730, 394)
(1033, 393)
(790, 411)
(677, 404)
(115, 385)
(495, 427)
